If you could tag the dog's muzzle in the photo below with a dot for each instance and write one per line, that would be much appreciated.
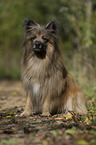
(38, 46)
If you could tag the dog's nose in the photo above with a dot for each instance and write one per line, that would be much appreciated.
(38, 44)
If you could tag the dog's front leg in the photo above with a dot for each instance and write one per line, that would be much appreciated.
(46, 107)
(28, 107)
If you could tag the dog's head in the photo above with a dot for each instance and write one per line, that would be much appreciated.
(40, 39)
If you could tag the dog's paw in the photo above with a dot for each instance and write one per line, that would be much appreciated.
(45, 114)
(23, 114)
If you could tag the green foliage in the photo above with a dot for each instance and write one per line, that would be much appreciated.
(71, 131)
(92, 107)
(9, 142)
(91, 116)
(54, 132)
(77, 37)
(82, 142)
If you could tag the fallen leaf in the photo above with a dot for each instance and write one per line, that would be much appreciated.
(93, 132)
(71, 131)
(82, 142)
(54, 132)
(2, 107)
(9, 116)
(10, 111)
(45, 142)
(14, 93)
(67, 116)
(8, 142)
(86, 120)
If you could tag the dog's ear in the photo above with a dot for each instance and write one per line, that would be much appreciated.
(28, 22)
(52, 26)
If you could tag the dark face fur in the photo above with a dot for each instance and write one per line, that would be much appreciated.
(39, 39)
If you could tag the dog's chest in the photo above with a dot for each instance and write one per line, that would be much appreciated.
(36, 95)
(36, 88)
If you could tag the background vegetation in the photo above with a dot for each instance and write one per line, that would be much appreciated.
(78, 46)
(77, 34)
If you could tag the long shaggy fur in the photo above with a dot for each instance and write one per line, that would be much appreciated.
(49, 87)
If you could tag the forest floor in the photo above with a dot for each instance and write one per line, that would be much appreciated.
(58, 129)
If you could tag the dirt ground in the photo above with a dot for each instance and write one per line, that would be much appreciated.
(37, 129)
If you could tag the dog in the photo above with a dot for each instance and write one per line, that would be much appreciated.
(50, 89)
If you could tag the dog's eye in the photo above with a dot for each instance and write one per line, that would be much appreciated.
(34, 37)
(44, 38)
